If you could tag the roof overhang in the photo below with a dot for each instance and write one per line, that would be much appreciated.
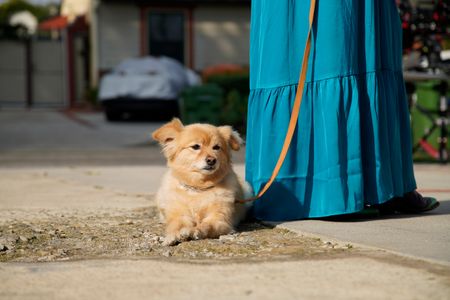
(58, 22)
(184, 2)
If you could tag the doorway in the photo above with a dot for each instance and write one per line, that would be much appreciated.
(166, 34)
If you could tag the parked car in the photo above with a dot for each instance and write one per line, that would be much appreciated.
(147, 86)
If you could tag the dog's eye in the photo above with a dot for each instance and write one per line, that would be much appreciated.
(195, 147)
(216, 147)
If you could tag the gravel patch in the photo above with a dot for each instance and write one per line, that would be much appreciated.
(138, 234)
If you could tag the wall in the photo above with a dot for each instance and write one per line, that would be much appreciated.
(74, 8)
(118, 33)
(221, 35)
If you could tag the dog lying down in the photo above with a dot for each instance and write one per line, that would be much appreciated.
(197, 196)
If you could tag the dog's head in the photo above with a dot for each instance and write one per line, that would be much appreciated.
(199, 152)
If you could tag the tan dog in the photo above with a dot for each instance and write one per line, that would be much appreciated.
(197, 196)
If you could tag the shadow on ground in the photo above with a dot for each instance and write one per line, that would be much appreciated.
(442, 209)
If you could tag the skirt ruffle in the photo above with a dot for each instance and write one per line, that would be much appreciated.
(352, 146)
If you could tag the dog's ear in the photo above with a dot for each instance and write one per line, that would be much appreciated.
(167, 134)
(232, 137)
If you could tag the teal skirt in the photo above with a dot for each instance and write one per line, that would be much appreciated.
(352, 145)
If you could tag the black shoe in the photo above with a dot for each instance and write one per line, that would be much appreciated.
(410, 203)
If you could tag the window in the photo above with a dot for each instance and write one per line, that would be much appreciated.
(166, 34)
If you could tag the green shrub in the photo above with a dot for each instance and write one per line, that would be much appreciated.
(201, 104)
(230, 82)
(236, 89)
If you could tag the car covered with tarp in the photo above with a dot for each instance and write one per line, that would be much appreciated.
(146, 85)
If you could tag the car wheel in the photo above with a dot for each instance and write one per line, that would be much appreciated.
(112, 115)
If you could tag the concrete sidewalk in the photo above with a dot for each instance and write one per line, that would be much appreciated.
(73, 185)
(30, 194)
(51, 138)
(424, 236)
(351, 278)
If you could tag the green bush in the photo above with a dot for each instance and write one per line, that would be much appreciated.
(201, 104)
(91, 96)
(230, 82)
(236, 91)
(222, 100)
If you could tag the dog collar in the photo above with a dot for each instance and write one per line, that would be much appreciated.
(193, 188)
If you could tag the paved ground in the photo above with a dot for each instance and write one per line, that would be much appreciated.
(106, 197)
(51, 175)
(425, 236)
(354, 278)
(46, 138)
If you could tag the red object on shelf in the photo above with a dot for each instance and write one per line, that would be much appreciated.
(222, 69)
(429, 149)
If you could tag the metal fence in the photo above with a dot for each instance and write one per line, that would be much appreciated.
(32, 73)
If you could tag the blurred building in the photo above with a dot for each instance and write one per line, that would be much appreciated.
(70, 29)
(45, 64)
(71, 9)
(198, 33)
(62, 63)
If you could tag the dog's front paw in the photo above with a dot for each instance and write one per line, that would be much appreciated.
(214, 230)
(197, 235)
(184, 234)
(170, 240)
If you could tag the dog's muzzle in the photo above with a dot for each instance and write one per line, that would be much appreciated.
(210, 163)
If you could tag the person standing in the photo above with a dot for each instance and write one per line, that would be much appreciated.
(352, 145)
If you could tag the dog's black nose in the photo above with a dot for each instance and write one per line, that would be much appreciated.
(211, 161)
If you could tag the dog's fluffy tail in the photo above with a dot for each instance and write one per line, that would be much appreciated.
(246, 187)
(243, 208)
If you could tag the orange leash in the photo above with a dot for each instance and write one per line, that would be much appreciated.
(295, 109)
